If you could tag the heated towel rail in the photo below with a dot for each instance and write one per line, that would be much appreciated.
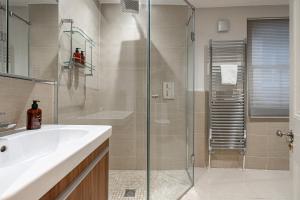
(227, 103)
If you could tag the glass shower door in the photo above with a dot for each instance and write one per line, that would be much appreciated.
(190, 87)
(171, 120)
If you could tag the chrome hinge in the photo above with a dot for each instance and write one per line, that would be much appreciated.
(193, 36)
(193, 159)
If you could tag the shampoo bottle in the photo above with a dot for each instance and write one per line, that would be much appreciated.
(77, 55)
(82, 57)
(34, 116)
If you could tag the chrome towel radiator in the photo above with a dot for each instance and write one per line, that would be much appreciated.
(227, 103)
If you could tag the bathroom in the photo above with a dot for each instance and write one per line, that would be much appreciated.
(130, 114)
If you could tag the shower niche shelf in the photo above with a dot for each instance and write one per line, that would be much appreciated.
(78, 39)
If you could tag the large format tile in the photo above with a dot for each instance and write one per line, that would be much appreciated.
(236, 184)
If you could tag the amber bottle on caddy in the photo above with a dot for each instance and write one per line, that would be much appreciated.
(77, 56)
(82, 58)
(34, 116)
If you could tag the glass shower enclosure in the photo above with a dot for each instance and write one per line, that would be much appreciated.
(170, 101)
(142, 85)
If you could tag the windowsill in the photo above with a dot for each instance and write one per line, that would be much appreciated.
(267, 118)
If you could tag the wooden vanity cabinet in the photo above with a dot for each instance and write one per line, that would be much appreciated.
(88, 181)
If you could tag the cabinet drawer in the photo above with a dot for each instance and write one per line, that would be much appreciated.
(88, 181)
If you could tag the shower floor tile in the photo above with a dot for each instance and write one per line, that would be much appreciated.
(165, 184)
(212, 184)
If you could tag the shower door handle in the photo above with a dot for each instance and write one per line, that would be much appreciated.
(289, 137)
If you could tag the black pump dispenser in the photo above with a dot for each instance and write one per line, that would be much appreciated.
(34, 104)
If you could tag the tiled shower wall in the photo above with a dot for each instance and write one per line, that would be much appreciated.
(201, 128)
(264, 149)
(123, 83)
(78, 95)
(122, 80)
(168, 141)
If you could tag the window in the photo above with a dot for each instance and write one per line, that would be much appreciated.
(268, 67)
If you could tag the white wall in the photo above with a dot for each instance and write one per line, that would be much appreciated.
(295, 95)
(206, 29)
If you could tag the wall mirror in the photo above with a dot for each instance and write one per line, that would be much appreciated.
(29, 39)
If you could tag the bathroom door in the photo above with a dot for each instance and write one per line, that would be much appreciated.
(295, 95)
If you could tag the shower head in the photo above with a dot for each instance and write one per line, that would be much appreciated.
(130, 6)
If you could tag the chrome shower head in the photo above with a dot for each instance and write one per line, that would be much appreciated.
(130, 6)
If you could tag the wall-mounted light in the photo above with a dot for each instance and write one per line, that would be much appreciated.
(223, 25)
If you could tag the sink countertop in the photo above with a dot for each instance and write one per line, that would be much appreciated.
(37, 160)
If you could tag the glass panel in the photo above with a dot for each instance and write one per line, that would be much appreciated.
(18, 51)
(171, 115)
(3, 35)
(190, 87)
(116, 92)
(32, 39)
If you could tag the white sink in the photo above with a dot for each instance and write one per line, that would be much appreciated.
(36, 160)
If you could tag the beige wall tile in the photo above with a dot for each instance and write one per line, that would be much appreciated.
(253, 162)
(277, 147)
(257, 128)
(17, 95)
(200, 150)
(226, 159)
(123, 80)
(278, 164)
(123, 147)
(257, 146)
(122, 163)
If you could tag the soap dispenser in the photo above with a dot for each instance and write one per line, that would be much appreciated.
(34, 116)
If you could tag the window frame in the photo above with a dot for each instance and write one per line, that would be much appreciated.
(248, 76)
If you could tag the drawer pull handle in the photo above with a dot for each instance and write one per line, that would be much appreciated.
(68, 191)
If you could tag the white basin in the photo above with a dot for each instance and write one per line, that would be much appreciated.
(36, 160)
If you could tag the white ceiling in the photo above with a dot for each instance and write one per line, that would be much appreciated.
(213, 3)
(229, 3)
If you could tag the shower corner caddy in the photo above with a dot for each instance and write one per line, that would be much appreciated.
(79, 38)
(227, 103)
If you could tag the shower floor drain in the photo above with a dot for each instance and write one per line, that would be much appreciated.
(129, 193)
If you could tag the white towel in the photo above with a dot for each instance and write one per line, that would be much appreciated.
(229, 74)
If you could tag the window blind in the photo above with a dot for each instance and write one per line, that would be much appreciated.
(268, 67)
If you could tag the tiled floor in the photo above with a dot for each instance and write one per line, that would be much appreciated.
(212, 184)
(235, 184)
(120, 180)
(165, 184)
